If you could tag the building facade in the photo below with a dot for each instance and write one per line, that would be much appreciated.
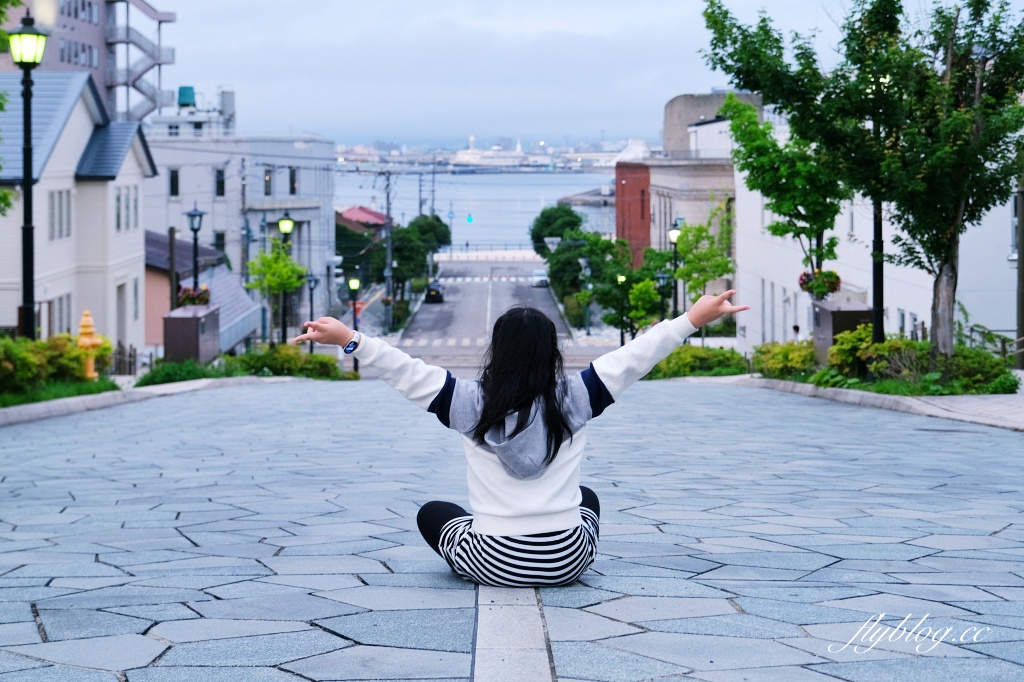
(89, 215)
(117, 42)
(246, 184)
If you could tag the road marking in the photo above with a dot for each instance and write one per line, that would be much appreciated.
(451, 342)
(421, 343)
(465, 341)
(511, 640)
(490, 288)
(481, 341)
(436, 343)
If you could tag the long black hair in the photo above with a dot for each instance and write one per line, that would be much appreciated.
(523, 363)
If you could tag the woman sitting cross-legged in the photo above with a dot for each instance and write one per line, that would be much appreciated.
(523, 427)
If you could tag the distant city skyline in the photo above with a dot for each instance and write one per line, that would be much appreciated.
(409, 73)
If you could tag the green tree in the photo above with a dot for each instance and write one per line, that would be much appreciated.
(6, 195)
(275, 272)
(799, 182)
(409, 256)
(705, 255)
(554, 221)
(433, 232)
(961, 152)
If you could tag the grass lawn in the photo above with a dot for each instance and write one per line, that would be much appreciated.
(58, 390)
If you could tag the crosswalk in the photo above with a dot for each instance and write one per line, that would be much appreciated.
(483, 278)
(445, 342)
(449, 342)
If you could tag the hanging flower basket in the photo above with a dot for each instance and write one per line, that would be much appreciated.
(190, 296)
(820, 283)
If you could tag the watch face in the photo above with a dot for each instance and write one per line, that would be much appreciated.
(351, 346)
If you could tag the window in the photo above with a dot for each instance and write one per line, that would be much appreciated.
(67, 313)
(197, 129)
(60, 314)
(173, 175)
(63, 49)
(117, 210)
(67, 213)
(53, 216)
(135, 298)
(218, 182)
(293, 180)
(268, 181)
(901, 317)
(219, 241)
(173, 130)
(135, 207)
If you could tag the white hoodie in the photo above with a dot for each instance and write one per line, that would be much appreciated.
(511, 491)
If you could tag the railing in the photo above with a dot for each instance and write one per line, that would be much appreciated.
(993, 340)
(125, 360)
(130, 35)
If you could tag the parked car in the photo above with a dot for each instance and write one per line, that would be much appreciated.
(435, 293)
(540, 278)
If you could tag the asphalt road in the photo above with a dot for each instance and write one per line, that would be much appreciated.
(456, 332)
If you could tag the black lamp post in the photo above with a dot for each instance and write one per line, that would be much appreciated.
(353, 295)
(285, 225)
(27, 46)
(195, 223)
(311, 282)
(662, 278)
(673, 236)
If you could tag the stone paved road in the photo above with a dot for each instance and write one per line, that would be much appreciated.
(266, 533)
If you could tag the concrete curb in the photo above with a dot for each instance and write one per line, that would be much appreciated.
(85, 403)
(896, 403)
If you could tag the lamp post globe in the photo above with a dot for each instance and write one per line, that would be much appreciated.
(27, 45)
(286, 225)
(195, 223)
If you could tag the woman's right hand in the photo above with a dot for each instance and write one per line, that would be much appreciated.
(326, 330)
(709, 308)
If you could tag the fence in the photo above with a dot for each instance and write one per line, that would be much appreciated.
(125, 360)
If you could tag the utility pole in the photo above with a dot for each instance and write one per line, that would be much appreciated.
(433, 183)
(419, 204)
(388, 256)
(245, 230)
(172, 270)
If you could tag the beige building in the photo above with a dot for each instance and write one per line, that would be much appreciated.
(89, 217)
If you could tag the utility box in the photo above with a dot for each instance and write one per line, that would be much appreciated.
(192, 331)
(835, 317)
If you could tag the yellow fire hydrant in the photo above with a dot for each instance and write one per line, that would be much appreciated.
(88, 340)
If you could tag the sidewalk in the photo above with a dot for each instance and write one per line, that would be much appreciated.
(744, 532)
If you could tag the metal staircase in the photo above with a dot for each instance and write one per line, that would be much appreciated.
(153, 55)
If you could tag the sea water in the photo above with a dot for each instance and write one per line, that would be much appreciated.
(488, 210)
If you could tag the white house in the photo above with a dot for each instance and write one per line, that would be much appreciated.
(245, 184)
(768, 268)
(89, 214)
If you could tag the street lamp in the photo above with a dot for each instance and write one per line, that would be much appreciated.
(311, 282)
(586, 272)
(353, 295)
(285, 225)
(27, 46)
(673, 236)
(195, 223)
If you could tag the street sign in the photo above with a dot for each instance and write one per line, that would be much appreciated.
(360, 306)
(451, 214)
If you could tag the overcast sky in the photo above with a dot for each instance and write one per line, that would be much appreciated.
(411, 71)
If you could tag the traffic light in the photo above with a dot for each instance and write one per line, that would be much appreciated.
(469, 218)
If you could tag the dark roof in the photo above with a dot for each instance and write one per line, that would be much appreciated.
(158, 253)
(107, 149)
(709, 121)
(239, 314)
(54, 95)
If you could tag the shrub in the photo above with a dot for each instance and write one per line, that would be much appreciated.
(974, 368)
(725, 327)
(287, 360)
(58, 389)
(418, 284)
(27, 364)
(844, 355)
(699, 361)
(399, 313)
(165, 372)
(573, 311)
(1008, 383)
(897, 358)
(791, 360)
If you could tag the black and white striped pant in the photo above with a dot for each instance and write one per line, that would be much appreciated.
(537, 560)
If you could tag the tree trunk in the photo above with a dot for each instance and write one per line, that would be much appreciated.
(944, 302)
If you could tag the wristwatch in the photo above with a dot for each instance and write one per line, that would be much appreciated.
(354, 343)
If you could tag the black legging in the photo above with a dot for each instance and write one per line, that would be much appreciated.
(434, 515)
